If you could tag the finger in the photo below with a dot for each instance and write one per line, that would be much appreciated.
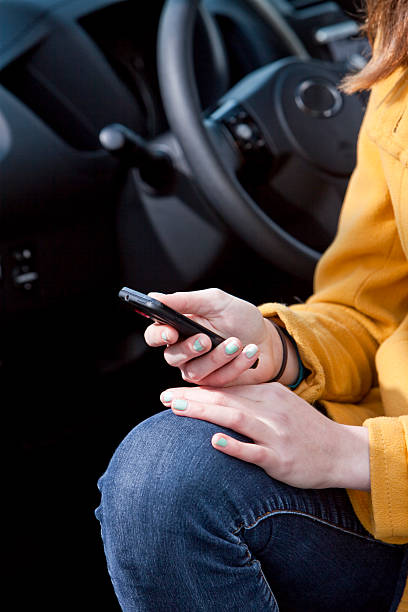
(254, 392)
(199, 345)
(232, 370)
(236, 418)
(196, 370)
(203, 302)
(204, 395)
(226, 396)
(186, 350)
(260, 392)
(160, 335)
(251, 453)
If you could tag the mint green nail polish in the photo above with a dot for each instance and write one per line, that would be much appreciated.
(198, 346)
(231, 348)
(221, 442)
(180, 404)
(167, 397)
(164, 336)
(251, 350)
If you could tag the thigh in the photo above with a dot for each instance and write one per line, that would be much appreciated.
(186, 524)
(318, 557)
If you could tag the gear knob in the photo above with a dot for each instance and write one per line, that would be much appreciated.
(155, 166)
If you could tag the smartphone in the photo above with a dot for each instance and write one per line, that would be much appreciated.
(155, 310)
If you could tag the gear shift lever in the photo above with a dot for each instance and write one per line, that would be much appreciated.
(133, 150)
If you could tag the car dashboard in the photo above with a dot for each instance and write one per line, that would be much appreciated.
(68, 69)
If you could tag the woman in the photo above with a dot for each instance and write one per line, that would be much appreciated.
(288, 495)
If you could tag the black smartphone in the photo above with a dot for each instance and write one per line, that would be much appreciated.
(155, 310)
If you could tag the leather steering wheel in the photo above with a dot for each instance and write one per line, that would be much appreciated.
(291, 106)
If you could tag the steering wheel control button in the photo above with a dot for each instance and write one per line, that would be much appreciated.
(244, 131)
(318, 98)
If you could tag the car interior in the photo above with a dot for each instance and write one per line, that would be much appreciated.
(164, 146)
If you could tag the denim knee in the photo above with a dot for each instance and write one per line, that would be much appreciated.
(169, 513)
(164, 465)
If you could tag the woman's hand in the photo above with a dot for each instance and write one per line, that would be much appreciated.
(292, 441)
(248, 337)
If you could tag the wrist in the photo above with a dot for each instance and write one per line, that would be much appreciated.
(281, 343)
(352, 470)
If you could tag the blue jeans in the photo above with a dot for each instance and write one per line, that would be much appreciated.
(186, 528)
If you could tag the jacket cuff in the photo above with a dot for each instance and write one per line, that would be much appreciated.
(389, 477)
(298, 327)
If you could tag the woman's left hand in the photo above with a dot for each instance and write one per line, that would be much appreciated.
(292, 441)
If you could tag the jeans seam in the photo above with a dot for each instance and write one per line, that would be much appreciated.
(314, 518)
(250, 560)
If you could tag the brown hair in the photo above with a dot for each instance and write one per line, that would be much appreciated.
(387, 23)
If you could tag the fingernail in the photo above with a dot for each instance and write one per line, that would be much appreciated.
(198, 346)
(164, 336)
(221, 442)
(231, 348)
(180, 404)
(251, 350)
(166, 397)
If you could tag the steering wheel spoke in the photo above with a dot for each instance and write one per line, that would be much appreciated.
(224, 143)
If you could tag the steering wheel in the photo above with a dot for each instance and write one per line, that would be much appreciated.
(291, 106)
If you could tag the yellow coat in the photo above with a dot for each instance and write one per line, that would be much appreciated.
(352, 333)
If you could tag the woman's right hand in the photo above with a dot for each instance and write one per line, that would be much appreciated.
(249, 336)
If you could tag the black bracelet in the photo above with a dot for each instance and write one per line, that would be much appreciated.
(284, 352)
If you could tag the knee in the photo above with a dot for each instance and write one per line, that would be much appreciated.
(132, 470)
(161, 466)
